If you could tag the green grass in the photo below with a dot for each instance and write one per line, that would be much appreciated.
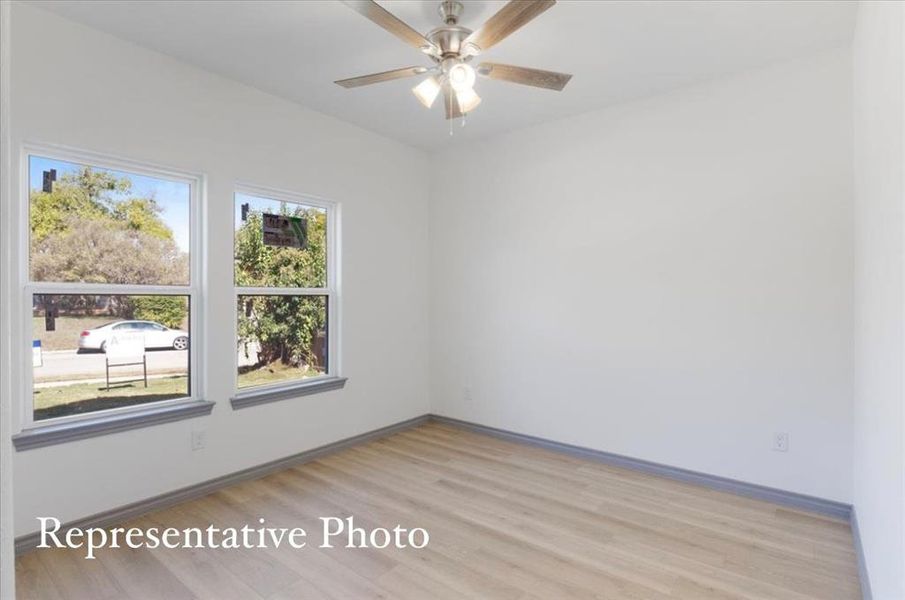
(275, 372)
(63, 400)
(66, 334)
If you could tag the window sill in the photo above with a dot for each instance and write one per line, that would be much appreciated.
(307, 388)
(51, 434)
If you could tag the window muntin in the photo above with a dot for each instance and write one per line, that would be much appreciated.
(285, 296)
(107, 239)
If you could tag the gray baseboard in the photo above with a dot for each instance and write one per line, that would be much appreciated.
(866, 593)
(723, 484)
(119, 515)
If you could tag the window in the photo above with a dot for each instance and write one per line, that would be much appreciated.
(286, 299)
(111, 283)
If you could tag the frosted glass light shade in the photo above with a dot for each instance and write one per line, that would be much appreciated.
(427, 91)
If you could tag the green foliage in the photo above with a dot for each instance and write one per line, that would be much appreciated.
(166, 310)
(49, 212)
(260, 265)
(141, 214)
(85, 193)
(285, 328)
(97, 184)
(95, 196)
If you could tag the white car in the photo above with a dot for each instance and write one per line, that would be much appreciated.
(155, 334)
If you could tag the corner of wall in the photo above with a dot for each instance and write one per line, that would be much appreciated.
(7, 568)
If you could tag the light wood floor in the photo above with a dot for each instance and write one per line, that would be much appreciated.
(506, 521)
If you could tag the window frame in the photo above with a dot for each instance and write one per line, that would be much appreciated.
(295, 387)
(23, 333)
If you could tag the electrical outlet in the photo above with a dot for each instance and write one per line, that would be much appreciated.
(199, 440)
(781, 442)
(466, 394)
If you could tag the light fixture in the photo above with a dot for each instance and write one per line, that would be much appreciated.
(461, 77)
(468, 99)
(427, 91)
(451, 49)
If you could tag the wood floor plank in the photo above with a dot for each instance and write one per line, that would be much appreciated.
(507, 522)
(34, 580)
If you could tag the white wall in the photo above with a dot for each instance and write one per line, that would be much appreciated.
(879, 454)
(78, 87)
(668, 279)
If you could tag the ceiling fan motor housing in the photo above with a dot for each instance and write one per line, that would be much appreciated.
(449, 39)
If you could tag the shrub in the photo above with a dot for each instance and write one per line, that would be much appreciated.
(166, 310)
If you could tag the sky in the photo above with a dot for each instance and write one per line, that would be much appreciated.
(173, 197)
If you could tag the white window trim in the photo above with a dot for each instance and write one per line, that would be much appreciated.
(284, 389)
(23, 333)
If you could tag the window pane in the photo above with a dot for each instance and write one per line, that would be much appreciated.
(94, 225)
(76, 339)
(281, 338)
(293, 252)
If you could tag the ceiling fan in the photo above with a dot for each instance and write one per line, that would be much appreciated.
(452, 47)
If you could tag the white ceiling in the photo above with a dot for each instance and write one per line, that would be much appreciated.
(617, 50)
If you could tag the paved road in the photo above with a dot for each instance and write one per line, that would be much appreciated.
(70, 365)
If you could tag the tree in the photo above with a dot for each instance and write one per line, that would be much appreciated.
(142, 215)
(86, 193)
(285, 328)
(92, 250)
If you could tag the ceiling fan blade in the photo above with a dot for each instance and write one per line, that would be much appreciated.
(525, 76)
(387, 20)
(451, 106)
(504, 23)
(353, 82)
